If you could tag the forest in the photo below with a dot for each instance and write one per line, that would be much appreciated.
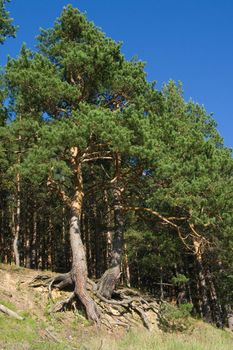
(105, 177)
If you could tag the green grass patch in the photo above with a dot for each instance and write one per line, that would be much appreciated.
(26, 334)
(8, 304)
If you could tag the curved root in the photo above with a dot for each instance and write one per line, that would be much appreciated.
(63, 305)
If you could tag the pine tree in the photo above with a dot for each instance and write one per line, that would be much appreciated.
(73, 87)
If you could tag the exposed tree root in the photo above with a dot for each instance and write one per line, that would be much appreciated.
(128, 308)
(64, 305)
(107, 283)
(61, 282)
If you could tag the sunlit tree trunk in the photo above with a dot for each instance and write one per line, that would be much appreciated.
(79, 262)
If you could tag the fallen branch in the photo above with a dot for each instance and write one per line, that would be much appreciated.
(10, 313)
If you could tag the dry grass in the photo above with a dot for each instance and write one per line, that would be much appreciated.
(203, 337)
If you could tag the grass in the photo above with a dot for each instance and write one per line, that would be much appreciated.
(204, 337)
(24, 335)
(29, 335)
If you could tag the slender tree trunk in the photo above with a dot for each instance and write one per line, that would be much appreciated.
(51, 257)
(16, 222)
(63, 240)
(189, 289)
(16, 219)
(27, 240)
(161, 283)
(87, 234)
(97, 237)
(138, 272)
(126, 271)
(1, 237)
(79, 263)
(109, 233)
(33, 259)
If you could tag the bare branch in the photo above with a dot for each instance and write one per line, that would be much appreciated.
(96, 158)
(164, 219)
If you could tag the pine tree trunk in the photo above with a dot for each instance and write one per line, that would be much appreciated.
(51, 256)
(33, 244)
(205, 303)
(79, 263)
(16, 218)
(1, 236)
(109, 233)
(126, 270)
(110, 278)
(161, 283)
(97, 237)
(87, 235)
(16, 223)
(216, 307)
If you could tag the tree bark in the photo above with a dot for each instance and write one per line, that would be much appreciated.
(110, 278)
(79, 263)
(125, 267)
(205, 303)
(109, 232)
(16, 216)
(161, 283)
(16, 222)
(216, 307)
(79, 269)
(33, 244)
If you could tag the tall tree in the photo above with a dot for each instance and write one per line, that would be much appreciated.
(63, 86)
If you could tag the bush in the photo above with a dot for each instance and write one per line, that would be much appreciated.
(173, 318)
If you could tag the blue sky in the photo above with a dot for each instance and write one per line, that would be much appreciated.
(186, 40)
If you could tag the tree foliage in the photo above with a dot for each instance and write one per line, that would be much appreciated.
(6, 27)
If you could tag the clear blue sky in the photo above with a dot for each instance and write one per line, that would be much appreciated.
(187, 40)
